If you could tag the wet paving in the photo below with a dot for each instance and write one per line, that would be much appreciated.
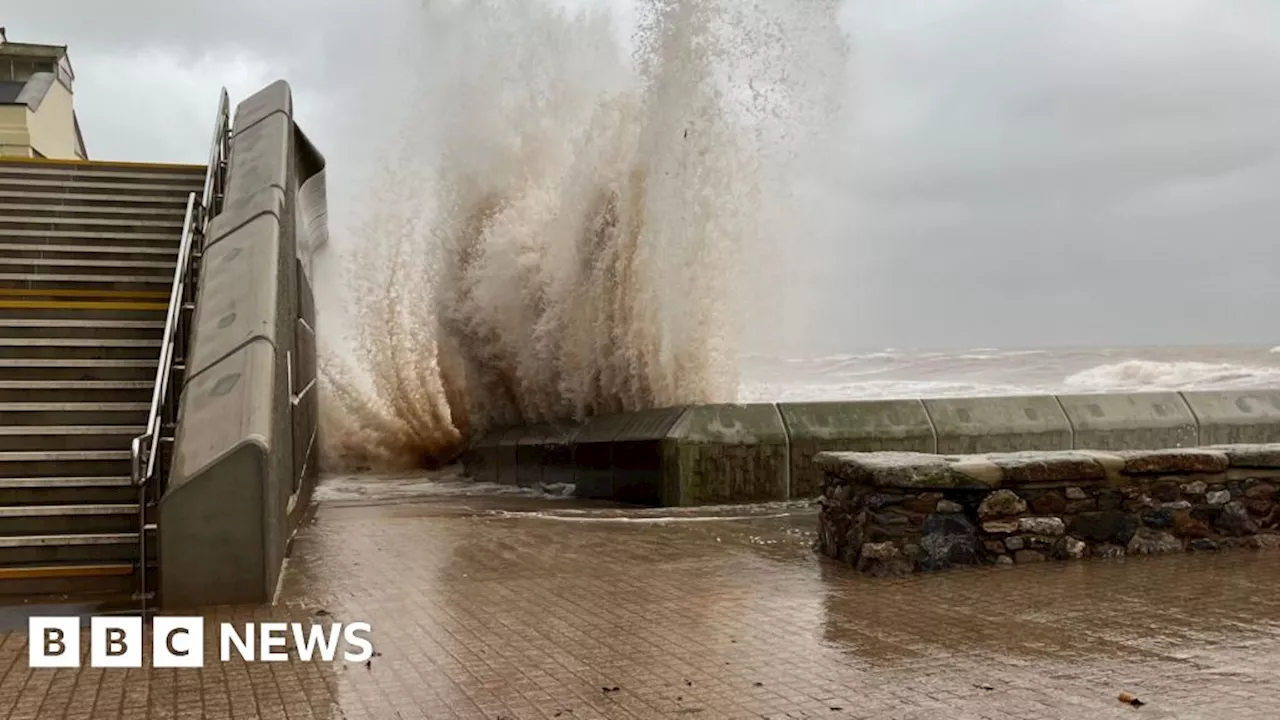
(521, 607)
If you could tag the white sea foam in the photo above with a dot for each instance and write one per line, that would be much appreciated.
(1145, 374)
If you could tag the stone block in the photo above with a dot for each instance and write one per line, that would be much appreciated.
(1005, 424)
(915, 471)
(1236, 416)
(638, 455)
(239, 298)
(862, 426)
(1139, 421)
(260, 155)
(1146, 541)
(276, 98)
(726, 453)
(1173, 461)
(221, 519)
(1253, 455)
(1022, 468)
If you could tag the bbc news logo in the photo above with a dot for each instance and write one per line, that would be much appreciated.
(179, 642)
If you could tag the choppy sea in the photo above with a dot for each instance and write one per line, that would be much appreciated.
(895, 373)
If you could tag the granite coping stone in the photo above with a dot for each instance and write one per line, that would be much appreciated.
(911, 469)
(1250, 455)
(923, 470)
(1174, 461)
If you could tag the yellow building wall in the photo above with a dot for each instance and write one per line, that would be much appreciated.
(53, 127)
(14, 138)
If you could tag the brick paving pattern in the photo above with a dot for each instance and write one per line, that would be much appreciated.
(482, 608)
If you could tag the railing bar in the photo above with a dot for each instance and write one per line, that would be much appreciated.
(147, 453)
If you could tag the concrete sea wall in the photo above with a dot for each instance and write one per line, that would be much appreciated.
(893, 513)
(709, 454)
(243, 461)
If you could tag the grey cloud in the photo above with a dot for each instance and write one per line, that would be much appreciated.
(1058, 172)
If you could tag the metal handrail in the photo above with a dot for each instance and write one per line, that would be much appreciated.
(145, 465)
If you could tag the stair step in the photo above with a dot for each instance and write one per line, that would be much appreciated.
(44, 197)
(10, 223)
(28, 327)
(77, 369)
(9, 456)
(24, 572)
(58, 308)
(80, 348)
(193, 177)
(16, 511)
(88, 238)
(68, 437)
(88, 250)
(9, 264)
(27, 520)
(80, 579)
(69, 548)
(74, 413)
(68, 540)
(81, 481)
(168, 212)
(61, 463)
(71, 324)
(79, 390)
(68, 490)
(176, 192)
(119, 282)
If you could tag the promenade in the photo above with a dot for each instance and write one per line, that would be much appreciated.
(526, 608)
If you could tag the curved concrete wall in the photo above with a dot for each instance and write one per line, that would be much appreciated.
(243, 456)
(739, 453)
(859, 426)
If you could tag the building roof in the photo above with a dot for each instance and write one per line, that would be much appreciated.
(53, 52)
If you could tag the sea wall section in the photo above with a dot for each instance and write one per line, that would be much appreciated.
(707, 454)
(243, 459)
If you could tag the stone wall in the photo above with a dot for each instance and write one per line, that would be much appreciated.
(890, 513)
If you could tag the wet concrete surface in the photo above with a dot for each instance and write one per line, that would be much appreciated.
(514, 606)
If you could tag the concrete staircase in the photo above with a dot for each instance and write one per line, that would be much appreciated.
(87, 254)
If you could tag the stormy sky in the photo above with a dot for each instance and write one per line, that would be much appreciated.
(1013, 173)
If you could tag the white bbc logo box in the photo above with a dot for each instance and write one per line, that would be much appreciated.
(178, 642)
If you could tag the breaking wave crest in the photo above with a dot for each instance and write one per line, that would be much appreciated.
(563, 229)
(1146, 374)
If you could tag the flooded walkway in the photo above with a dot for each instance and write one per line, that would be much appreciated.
(518, 607)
